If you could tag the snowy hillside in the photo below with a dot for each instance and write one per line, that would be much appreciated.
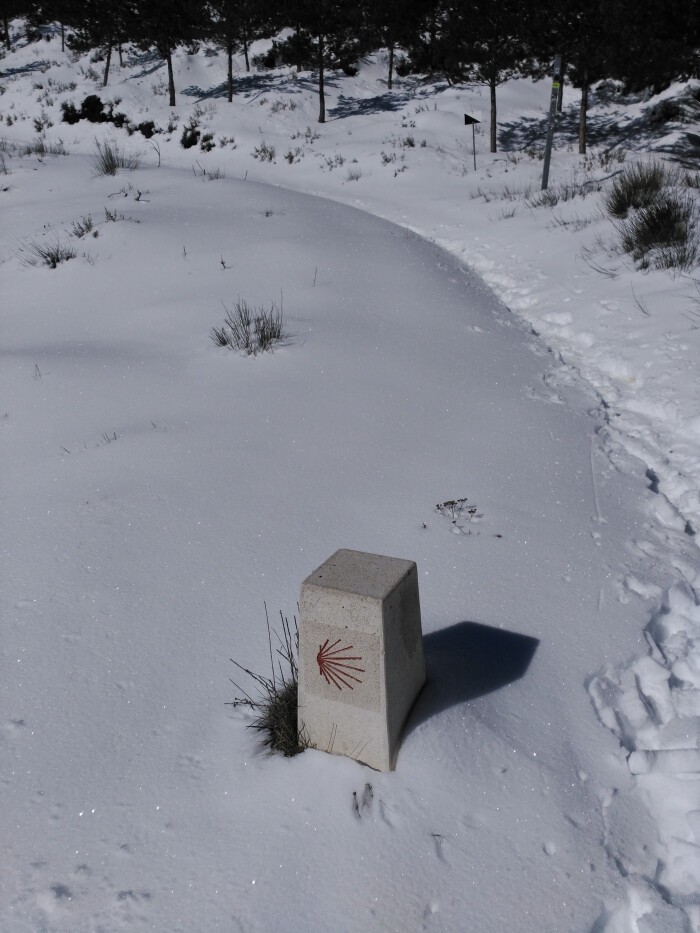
(449, 333)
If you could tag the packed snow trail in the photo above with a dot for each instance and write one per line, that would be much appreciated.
(158, 489)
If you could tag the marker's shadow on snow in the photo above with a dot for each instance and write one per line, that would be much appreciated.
(466, 661)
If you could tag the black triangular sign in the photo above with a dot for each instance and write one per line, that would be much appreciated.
(469, 120)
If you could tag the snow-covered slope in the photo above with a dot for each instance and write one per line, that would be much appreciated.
(157, 489)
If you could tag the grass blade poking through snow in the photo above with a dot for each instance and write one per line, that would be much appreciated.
(663, 234)
(277, 700)
(108, 159)
(45, 253)
(252, 330)
(638, 186)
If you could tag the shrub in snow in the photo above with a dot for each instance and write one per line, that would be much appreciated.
(207, 143)
(664, 233)
(402, 67)
(278, 105)
(264, 152)
(108, 159)
(146, 129)
(92, 110)
(276, 703)
(190, 134)
(252, 330)
(84, 226)
(70, 113)
(43, 147)
(334, 161)
(459, 513)
(638, 186)
(42, 123)
(308, 135)
(49, 253)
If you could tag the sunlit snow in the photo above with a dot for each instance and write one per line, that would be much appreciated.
(446, 339)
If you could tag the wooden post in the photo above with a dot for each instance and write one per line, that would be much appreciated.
(550, 126)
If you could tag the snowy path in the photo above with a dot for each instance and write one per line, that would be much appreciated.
(158, 490)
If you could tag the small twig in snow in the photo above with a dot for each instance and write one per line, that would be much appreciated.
(641, 304)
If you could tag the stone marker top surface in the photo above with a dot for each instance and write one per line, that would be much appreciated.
(371, 575)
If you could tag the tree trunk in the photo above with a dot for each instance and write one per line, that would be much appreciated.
(63, 38)
(245, 53)
(560, 95)
(121, 55)
(321, 89)
(582, 116)
(171, 79)
(6, 30)
(390, 82)
(494, 128)
(108, 62)
(229, 82)
(432, 35)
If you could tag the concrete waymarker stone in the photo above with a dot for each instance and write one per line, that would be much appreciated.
(361, 662)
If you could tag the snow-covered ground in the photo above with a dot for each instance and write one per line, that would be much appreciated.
(157, 489)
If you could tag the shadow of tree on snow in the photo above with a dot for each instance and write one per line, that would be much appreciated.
(614, 128)
(253, 85)
(354, 106)
(29, 68)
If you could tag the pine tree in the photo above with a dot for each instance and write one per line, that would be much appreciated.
(496, 39)
(225, 30)
(576, 30)
(102, 26)
(653, 42)
(485, 42)
(257, 21)
(9, 10)
(328, 33)
(393, 23)
(581, 36)
(431, 36)
(234, 25)
(43, 12)
(167, 24)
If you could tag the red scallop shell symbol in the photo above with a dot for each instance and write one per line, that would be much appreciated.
(334, 664)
